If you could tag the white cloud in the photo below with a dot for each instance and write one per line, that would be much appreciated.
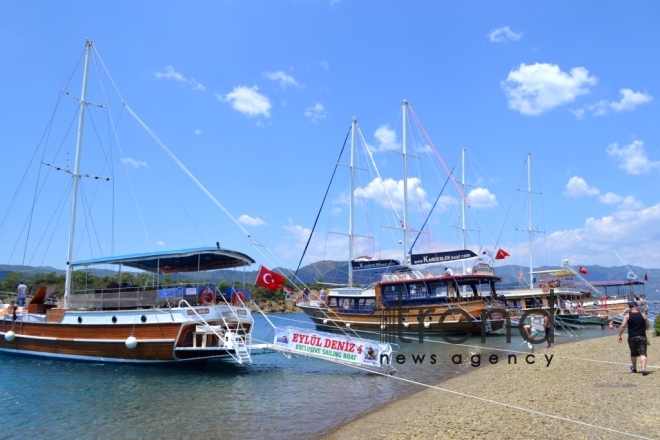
(379, 190)
(632, 158)
(248, 101)
(502, 35)
(170, 73)
(247, 220)
(481, 198)
(197, 132)
(632, 232)
(386, 140)
(133, 163)
(629, 101)
(160, 243)
(283, 78)
(610, 198)
(535, 89)
(316, 112)
(578, 187)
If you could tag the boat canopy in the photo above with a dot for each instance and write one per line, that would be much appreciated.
(555, 272)
(188, 260)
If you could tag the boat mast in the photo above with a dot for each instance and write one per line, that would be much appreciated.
(350, 209)
(529, 215)
(405, 182)
(76, 176)
(463, 214)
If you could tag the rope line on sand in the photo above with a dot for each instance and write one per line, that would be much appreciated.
(557, 356)
(483, 399)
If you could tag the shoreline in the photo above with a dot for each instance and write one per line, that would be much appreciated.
(587, 391)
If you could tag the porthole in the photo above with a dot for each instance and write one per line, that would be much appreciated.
(143, 319)
(114, 320)
(79, 319)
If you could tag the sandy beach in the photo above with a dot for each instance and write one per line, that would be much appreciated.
(587, 392)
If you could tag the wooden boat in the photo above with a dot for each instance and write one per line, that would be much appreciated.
(410, 299)
(138, 324)
(150, 323)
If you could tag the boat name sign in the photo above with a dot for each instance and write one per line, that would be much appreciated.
(339, 348)
(441, 257)
(199, 311)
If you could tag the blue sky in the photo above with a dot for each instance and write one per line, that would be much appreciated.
(256, 98)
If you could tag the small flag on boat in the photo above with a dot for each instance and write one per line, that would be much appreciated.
(486, 254)
(268, 279)
(631, 275)
(646, 277)
(501, 254)
(584, 270)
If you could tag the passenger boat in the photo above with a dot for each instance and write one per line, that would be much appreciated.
(409, 297)
(150, 323)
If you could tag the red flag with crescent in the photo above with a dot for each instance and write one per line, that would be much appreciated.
(269, 280)
(584, 270)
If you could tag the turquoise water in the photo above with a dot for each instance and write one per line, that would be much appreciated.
(275, 397)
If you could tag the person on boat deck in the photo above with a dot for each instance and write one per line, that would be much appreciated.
(21, 294)
(637, 324)
(322, 295)
(448, 271)
(306, 293)
(11, 310)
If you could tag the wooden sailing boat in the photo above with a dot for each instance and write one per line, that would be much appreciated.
(150, 323)
(410, 299)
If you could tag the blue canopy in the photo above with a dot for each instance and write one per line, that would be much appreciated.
(187, 260)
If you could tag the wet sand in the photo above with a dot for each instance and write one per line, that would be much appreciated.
(587, 382)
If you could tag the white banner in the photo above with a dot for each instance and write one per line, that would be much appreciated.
(330, 346)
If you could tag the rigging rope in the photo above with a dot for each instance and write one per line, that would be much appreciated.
(322, 203)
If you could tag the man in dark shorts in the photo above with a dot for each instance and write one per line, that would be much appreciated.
(546, 327)
(637, 324)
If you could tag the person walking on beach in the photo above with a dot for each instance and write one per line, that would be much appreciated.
(21, 294)
(637, 324)
(546, 326)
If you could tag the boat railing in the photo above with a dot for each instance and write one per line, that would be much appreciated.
(207, 327)
(131, 297)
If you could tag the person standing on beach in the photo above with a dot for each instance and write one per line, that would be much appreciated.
(21, 294)
(546, 326)
(637, 324)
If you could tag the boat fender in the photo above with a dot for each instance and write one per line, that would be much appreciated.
(348, 325)
(427, 324)
(9, 336)
(325, 321)
(406, 325)
(382, 327)
(239, 299)
(207, 297)
(131, 342)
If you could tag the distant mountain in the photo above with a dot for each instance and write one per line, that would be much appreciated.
(336, 272)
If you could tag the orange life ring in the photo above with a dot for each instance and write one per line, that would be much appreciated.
(239, 299)
(545, 287)
(208, 297)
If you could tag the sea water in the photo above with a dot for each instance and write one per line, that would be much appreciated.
(274, 397)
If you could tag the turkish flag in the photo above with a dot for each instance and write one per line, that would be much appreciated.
(269, 280)
(646, 277)
(583, 270)
(501, 254)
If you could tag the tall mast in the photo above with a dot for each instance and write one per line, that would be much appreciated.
(350, 209)
(405, 182)
(76, 175)
(529, 216)
(463, 207)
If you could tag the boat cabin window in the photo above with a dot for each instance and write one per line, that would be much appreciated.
(353, 304)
